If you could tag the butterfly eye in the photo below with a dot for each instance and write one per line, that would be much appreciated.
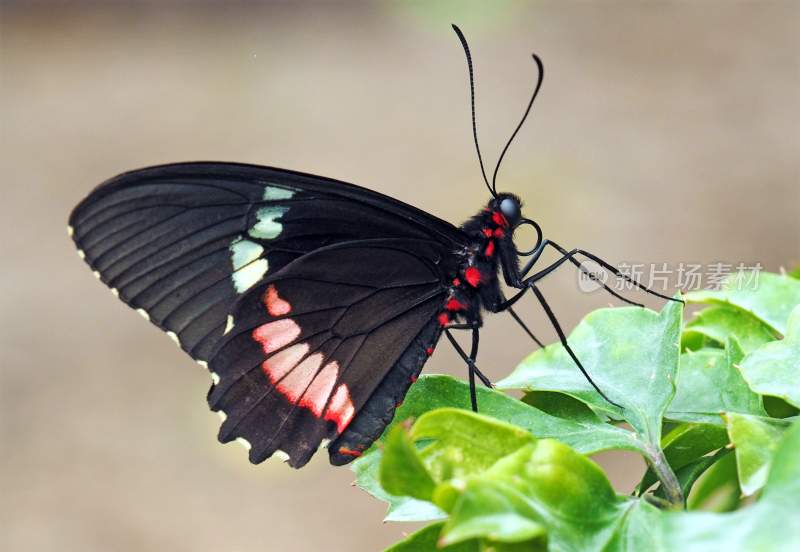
(509, 207)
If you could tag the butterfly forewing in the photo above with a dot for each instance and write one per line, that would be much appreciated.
(181, 243)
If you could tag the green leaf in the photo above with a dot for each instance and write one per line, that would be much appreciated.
(709, 384)
(401, 471)
(632, 355)
(686, 444)
(771, 524)
(688, 474)
(459, 443)
(586, 434)
(755, 440)
(426, 540)
(573, 499)
(771, 302)
(401, 508)
(561, 406)
(492, 510)
(717, 489)
(719, 323)
(774, 369)
(779, 408)
(431, 392)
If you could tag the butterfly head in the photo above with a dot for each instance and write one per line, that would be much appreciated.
(505, 211)
(509, 206)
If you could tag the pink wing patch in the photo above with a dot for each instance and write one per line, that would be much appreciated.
(275, 305)
(341, 410)
(280, 364)
(299, 379)
(316, 396)
(274, 335)
(297, 376)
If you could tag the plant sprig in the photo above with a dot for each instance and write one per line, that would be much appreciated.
(515, 476)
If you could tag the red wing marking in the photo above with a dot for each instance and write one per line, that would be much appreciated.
(350, 452)
(275, 305)
(499, 233)
(316, 396)
(300, 378)
(456, 282)
(473, 276)
(487, 232)
(282, 363)
(490, 249)
(444, 319)
(341, 410)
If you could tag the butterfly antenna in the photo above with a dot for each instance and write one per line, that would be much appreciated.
(472, 102)
(519, 126)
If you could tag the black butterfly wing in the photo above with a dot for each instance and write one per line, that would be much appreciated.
(327, 347)
(181, 243)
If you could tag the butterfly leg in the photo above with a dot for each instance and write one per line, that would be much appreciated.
(470, 360)
(570, 256)
(565, 344)
(522, 324)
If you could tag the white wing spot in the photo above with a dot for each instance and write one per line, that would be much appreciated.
(81, 254)
(244, 252)
(203, 363)
(324, 443)
(215, 378)
(244, 442)
(228, 325)
(281, 455)
(222, 415)
(70, 231)
(174, 338)
(247, 277)
(272, 193)
(143, 314)
(115, 292)
(268, 227)
(96, 274)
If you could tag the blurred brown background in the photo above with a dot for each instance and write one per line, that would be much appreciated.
(664, 132)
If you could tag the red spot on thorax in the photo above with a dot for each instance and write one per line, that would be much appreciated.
(349, 452)
(499, 219)
(456, 282)
(455, 305)
(487, 232)
(473, 276)
(499, 233)
(489, 249)
(444, 319)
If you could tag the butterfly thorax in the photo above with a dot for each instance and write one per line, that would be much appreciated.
(476, 284)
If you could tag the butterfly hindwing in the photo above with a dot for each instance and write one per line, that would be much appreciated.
(329, 343)
(182, 243)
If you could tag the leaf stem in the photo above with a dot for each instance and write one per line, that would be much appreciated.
(669, 481)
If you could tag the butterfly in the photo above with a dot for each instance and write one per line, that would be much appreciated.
(313, 303)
